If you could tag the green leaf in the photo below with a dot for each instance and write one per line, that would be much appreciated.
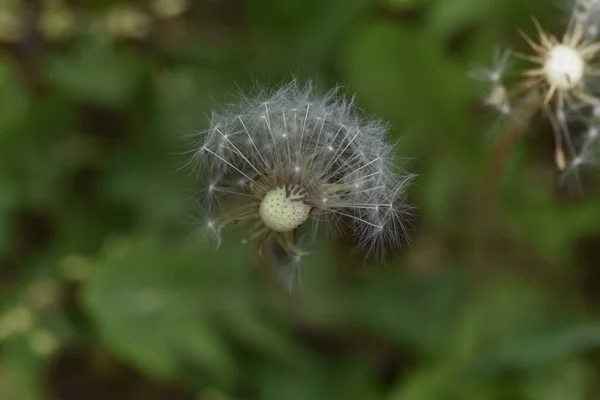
(15, 103)
(96, 72)
(20, 371)
(154, 303)
(549, 224)
(418, 311)
(564, 379)
(438, 382)
(500, 315)
(405, 77)
(446, 18)
(543, 349)
(304, 34)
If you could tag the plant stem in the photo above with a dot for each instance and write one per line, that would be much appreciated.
(487, 198)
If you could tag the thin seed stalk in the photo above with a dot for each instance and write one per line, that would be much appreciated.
(488, 196)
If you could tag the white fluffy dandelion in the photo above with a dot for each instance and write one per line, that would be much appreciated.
(563, 79)
(276, 162)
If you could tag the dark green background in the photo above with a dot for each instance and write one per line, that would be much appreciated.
(108, 292)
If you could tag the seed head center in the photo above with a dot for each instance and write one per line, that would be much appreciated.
(282, 213)
(564, 67)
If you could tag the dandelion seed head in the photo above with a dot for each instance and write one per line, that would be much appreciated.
(282, 213)
(561, 82)
(564, 67)
(279, 160)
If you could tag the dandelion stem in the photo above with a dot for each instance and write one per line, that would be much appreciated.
(488, 195)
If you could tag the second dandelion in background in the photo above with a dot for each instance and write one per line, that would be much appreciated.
(563, 83)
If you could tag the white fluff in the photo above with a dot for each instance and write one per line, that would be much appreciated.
(331, 162)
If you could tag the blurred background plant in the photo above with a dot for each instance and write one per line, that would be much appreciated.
(106, 293)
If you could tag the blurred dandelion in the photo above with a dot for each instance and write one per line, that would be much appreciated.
(276, 161)
(562, 82)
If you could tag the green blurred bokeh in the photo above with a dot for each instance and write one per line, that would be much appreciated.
(107, 291)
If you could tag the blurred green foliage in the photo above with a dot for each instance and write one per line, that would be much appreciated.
(108, 293)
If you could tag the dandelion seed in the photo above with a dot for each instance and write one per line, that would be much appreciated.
(565, 78)
(303, 158)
